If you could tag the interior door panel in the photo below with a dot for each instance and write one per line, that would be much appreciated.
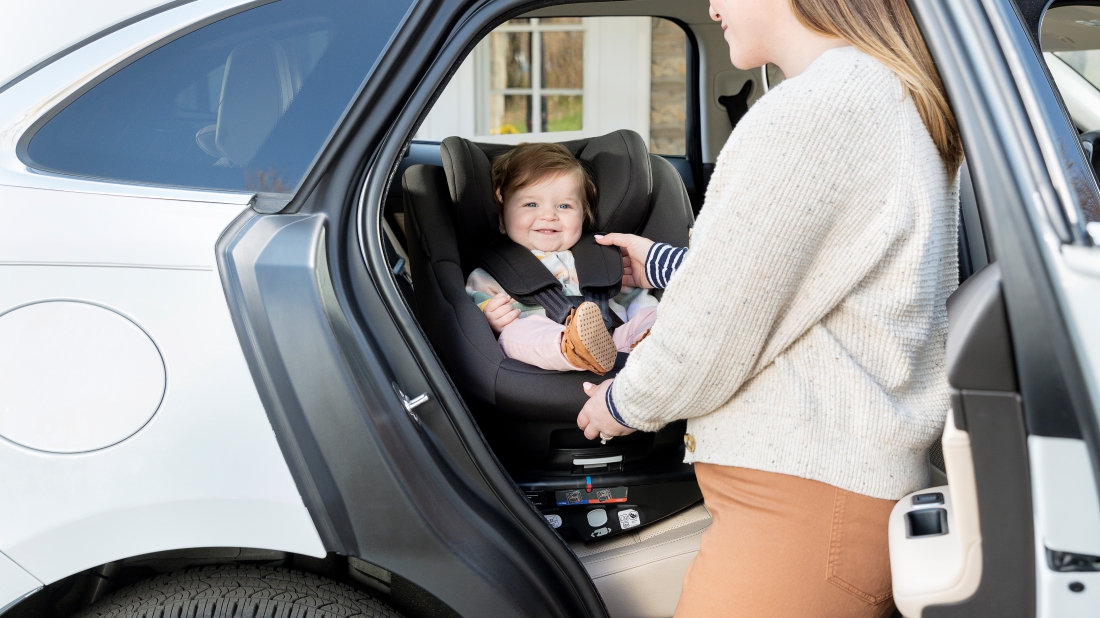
(985, 453)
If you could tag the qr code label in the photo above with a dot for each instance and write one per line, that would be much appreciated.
(629, 518)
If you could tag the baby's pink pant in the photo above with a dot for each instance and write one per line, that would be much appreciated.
(536, 340)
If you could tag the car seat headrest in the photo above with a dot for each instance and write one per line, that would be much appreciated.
(257, 88)
(618, 162)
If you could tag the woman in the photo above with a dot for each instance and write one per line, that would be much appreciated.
(803, 334)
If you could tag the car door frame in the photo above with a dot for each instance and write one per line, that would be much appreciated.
(415, 491)
(1028, 171)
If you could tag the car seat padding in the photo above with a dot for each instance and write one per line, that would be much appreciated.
(618, 162)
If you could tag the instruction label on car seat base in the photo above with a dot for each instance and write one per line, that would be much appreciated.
(628, 518)
(598, 495)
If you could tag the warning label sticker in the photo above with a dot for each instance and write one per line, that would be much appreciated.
(628, 518)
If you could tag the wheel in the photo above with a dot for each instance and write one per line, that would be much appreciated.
(238, 592)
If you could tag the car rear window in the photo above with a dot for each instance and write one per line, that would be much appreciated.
(244, 103)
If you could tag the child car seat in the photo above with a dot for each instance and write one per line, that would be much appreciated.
(528, 414)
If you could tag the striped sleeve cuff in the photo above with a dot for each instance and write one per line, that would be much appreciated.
(611, 407)
(661, 262)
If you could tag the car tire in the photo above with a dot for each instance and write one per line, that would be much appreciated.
(238, 592)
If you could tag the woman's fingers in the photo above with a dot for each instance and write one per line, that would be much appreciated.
(591, 432)
(619, 240)
(594, 418)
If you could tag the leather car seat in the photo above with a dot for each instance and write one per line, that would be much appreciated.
(451, 217)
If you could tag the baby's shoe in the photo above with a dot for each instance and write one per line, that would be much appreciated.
(586, 343)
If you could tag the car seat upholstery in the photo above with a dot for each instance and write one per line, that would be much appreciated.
(451, 216)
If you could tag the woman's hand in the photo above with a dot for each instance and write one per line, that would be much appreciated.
(500, 312)
(595, 419)
(635, 250)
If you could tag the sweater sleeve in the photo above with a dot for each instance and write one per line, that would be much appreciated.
(791, 225)
(661, 262)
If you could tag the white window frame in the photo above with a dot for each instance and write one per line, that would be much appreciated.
(616, 96)
(536, 91)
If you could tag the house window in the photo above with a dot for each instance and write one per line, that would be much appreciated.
(536, 76)
(555, 79)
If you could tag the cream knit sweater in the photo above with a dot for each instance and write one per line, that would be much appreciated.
(804, 332)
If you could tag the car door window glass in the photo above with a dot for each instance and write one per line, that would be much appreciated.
(1070, 40)
(243, 104)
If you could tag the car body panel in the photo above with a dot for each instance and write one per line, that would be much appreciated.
(15, 583)
(206, 469)
(1067, 518)
(32, 32)
(1067, 510)
(1078, 270)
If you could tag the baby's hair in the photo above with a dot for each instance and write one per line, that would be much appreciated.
(529, 164)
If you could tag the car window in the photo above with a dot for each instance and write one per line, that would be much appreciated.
(562, 78)
(1086, 63)
(1070, 40)
(244, 103)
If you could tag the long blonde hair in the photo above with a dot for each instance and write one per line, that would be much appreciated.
(886, 30)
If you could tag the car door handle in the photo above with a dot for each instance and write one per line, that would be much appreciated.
(410, 404)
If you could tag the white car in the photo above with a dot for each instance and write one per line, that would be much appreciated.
(235, 375)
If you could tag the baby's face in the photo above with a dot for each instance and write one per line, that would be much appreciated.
(547, 216)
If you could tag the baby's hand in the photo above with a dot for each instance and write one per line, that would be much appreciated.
(500, 312)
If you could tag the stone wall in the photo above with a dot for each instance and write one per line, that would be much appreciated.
(668, 89)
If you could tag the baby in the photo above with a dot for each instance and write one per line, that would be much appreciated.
(546, 199)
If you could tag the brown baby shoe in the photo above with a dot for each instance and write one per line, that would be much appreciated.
(586, 343)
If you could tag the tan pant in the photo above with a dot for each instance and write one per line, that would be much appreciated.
(785, 546)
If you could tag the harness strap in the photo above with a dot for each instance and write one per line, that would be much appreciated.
(519, 272)
(555, 302)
